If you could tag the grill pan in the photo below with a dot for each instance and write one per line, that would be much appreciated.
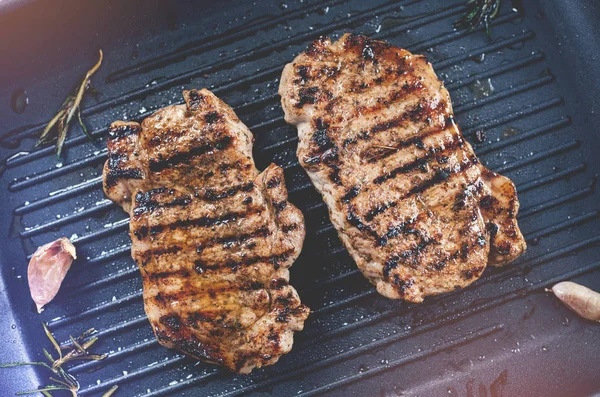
(532, 89)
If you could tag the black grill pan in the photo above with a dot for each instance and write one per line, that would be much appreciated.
(532, 89)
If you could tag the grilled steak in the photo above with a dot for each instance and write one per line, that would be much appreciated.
(410, 201)
(212, 237)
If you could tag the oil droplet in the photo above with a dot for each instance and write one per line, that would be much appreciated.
(482, 88)
(507, 132)
(283, 6)
(19, 101)
(363, 368)
(479, 58)
(323, 11)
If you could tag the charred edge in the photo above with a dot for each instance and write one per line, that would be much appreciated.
(230, 241)
(113, 176)
(367, 47)
(194, 100)
(115, 159)
(289, 228)
(191, 346)
(317, 47)
(275, 260)
(273, 182)
(278, 283)
(213, 195)
(182, 157)
(122, 131)
(205, 221)
(462, 198)
(171, 322)
(286, 313)
(304, 73)
(471, 273)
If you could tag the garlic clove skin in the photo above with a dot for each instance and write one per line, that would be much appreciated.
(580, 299)
(47, 269)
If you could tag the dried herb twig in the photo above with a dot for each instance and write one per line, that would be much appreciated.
(76, 350)
(479, 12)
(69, 108)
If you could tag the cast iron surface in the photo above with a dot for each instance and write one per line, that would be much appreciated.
(503, 336)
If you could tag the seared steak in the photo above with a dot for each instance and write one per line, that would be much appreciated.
(212, 237)
(410, 201)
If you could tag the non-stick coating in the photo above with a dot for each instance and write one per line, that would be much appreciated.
(532, 89)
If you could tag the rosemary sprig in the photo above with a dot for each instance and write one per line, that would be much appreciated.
(479, 12)
(76, 350)
(69, 108)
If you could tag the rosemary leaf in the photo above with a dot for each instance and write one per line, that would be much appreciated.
(111, 391)
(96, 357)
(63, 128)
(46, 393)
(51, 124)
(479, 12)
(48, 356)
(10, 365)
(83, 127)
(61, 382)
(52, 340)
(77, 345)
(43, 389)
(82, 88)
(69, 108)
(89, 343)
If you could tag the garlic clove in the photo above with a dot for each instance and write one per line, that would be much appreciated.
(47, 269)
(580, 299)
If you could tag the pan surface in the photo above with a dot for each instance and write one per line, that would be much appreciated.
(532, 89)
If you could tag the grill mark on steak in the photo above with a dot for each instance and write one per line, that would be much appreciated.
(123, 130)
(145, 203)
(274, 259)
(204, 221)
(206, 237)
(182, 157)
(395, 260)
(390, 134)
(238, 239)
(417, 163)
(439, 176)
(215, 195)
(114, 175)
(420, 112)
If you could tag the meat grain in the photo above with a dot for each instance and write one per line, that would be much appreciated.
(410, 200)
(213, 237)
